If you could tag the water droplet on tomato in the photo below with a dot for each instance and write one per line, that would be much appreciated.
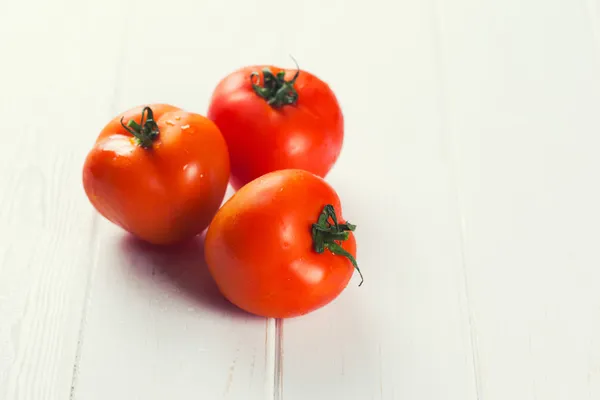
(191, 171)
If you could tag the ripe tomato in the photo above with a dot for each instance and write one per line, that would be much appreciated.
(162, 176)
(283, 119)
(279, 247)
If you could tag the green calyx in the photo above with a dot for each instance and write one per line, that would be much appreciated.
(275, 89)
(146, 131)
(327, 233)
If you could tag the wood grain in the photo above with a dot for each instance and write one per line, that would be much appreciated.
(49, 96)
(157, 327)
(405, 333)
(470, 167)
(522, 103)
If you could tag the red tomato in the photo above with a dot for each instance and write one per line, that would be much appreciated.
(162, 176)
(280, 247)
(275, 119)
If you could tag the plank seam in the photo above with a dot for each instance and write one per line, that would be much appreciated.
(278, 370)
(94, 250)
(88, 288)
(274, 359)
(456, 189)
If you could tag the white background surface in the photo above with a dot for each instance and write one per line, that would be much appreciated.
(471, 167)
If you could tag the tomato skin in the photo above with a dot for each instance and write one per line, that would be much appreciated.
(168, 192)
(261, 138)
(259, 247)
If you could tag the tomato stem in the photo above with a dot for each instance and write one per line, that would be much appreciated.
(275, 89)
(146, 131)
(327, 233)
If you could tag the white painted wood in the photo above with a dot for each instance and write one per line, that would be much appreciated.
(519, 95)
(470, 167)
(54, 86)
(156, 326)
(405, 333)
(522, 103)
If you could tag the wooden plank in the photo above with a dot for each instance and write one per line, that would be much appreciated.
(405, 333)
(522, 101)
(55, 86)
(157, 327)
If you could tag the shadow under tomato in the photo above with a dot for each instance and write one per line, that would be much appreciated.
(183, 268)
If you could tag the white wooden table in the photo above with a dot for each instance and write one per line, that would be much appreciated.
(471, 166)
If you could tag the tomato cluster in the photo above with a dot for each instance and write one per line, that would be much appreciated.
(279, 247)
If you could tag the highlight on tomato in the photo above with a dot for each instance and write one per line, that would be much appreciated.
(274, 118)
(280, 247)
(158, 172)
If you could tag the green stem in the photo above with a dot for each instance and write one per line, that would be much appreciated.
(328, 234)
(275, 89)
(146, 132)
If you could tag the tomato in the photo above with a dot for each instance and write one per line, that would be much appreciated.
(162, 176)
(279, 246)
(283, 119)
